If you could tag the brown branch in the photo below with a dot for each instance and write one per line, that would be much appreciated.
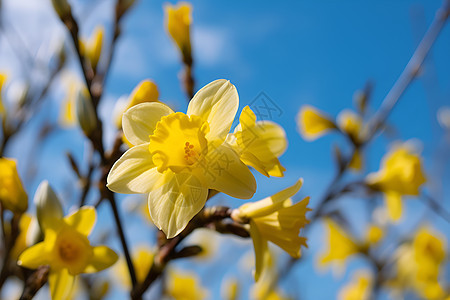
(34, 282)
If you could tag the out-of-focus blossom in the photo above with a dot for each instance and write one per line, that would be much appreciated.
(374, 234)
(47, 205)
(400, 174)
(29, 232)
(145, 91)
(350, 123)
(178, 157)
(3, 78)
(277, 220)
(92, 48)
(419, 265)
(339, 248)
(312, 123)
(178, 19)
(259, 144)
(142, 259)
(12, 193)
(359, 288)
(185, 286)
(67, 250)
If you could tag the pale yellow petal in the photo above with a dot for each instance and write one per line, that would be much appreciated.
(394, 205)
(61, 284)
(261, 249)
(102, 258)
(225, 172)
(216, 103)
(83, 220)
(273, 136)
(139, 121)
(271, 204)
(134, 172)
(34, 257)
(176, 199)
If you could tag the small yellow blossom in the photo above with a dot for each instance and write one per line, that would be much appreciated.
(419, 264)
(3, 78)
(259, 144)
(400, 174)
(142, 261)
(185, 286)
(92, 49)
(277, 220)
(145, 91)
(178, 157)
(312, 123)
(350, 123)
(178, 19)
(340, 247)
(67, 250)
(12, 193)
(357, 289)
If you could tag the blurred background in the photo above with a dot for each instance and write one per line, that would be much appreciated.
(284, 54)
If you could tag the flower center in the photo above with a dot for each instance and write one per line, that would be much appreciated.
(178, 142)
(68, 251)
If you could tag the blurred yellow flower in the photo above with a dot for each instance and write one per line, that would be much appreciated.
(259, 144)
(3, 78)
(356, 163)
(145, 91)
(357, 289)
(178, 157)
(340, 247)
(66, 249)
(277, 220)
(12, 193)
(230, 289)
(142, 261)
(178, 19)
(92, 49)
(185, 286)
(419, 264)
(312, 123)
(400, 174)
(350, 123)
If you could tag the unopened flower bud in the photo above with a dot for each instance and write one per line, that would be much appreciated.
(85, 112)
(48, 206)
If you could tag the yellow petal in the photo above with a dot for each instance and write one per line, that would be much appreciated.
(261, 249)
(313, 123)
(102, 258)
(61, 284)
(273, 136)
(140, 121)
(356, 162)
(175, 200)
(271, 204)
(34, 257)
(394, 205)
(225, 172)
(83, 220)
(134, 172)
(216, 103)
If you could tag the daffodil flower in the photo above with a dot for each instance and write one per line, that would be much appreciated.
(12, 193)
(277, 220)
(340, 247)
(312, 123)
(178, 157)
(400, 174)
(259, 144)
(68, 252)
